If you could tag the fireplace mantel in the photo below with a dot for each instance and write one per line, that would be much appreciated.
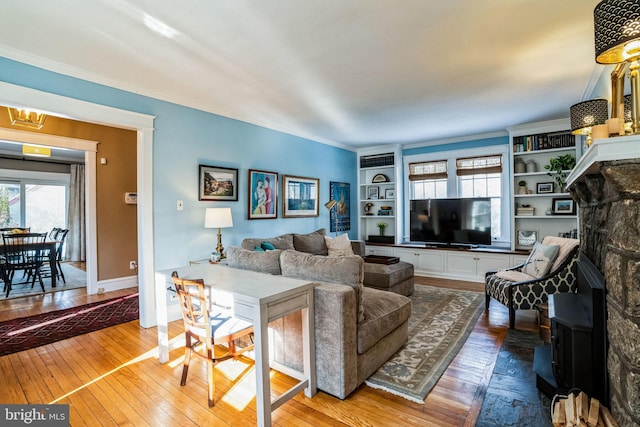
(604, 150)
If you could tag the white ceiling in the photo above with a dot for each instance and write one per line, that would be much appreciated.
(346, 72)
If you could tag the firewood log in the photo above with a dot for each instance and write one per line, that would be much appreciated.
(570, 410)
(582, 406)
(559, 418)
(594, 410)
(607, 418)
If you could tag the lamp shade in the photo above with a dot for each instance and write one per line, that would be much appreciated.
(617, 30)
(585, 115)
(218, 218)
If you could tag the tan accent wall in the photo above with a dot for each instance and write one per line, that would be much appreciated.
(116, 221)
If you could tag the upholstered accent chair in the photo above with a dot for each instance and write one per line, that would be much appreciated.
(519, 288)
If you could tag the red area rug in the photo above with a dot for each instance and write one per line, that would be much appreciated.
(33, 331)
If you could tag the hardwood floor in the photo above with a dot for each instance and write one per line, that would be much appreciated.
(112, 377)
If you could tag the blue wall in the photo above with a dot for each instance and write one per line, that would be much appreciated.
(183, 139)
(477, 143)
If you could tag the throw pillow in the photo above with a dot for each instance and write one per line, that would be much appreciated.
(340, 246)
(311, 243)
(258, 249)
(267, 246)
(540, 260)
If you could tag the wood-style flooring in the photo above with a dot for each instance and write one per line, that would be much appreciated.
(112, 377)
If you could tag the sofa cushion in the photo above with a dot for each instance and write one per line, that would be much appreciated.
(514, 276)
(283, 242)
(383, 313)
(566, 248)
(341, 270)
(311, 243)
(263, 261)
(340, 246)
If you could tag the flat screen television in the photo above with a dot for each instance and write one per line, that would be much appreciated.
(462, 221)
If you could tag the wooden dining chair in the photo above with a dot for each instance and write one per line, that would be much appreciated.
(22, 252)
(60, 235)
(210, 325)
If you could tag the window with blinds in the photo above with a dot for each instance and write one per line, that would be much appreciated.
(462, 176)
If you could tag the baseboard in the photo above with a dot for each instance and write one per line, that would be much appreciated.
(117, 284)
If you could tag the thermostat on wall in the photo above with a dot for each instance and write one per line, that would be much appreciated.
(131, 198)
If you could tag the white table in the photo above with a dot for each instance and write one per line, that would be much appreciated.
(257, 298)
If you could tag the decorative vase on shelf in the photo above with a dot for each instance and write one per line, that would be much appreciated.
(519, 165)
(531, 166)
(381, 227)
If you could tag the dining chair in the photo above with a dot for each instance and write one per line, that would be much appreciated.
(208, 324)
(22, 252)
(59, 235)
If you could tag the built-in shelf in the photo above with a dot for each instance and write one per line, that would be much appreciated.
(534, 174)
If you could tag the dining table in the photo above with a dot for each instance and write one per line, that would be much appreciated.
(47, 245)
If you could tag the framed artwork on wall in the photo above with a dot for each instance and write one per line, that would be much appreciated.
(263, 195)
(300, 196)
(217, 183)
(340, 216)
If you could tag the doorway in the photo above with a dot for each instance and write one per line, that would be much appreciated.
(20, 96)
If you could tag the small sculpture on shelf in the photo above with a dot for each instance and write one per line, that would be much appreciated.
(367, 209)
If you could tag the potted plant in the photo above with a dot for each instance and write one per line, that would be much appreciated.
(523, 187)
(559, 166)
(381, 227)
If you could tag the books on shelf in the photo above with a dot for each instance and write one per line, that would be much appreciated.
(522, 144)
(528, 211)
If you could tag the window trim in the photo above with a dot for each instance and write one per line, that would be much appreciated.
(452, 184)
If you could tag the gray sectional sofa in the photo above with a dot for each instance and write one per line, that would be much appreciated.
(356, 328)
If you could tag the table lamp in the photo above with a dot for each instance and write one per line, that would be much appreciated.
(218, 218)
(585, 115)
(617, 40)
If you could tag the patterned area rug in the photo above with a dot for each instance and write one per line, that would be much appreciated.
(441, 320)
(33, 331)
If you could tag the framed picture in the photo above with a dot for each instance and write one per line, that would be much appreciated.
(527, 237)
(340, 216)
(300, 196)
(217, 183)
(372, 193)
(389, 193)
(544, 187)
(563, 206)
(263, 195)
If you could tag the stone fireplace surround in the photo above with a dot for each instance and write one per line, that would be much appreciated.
(606, 186)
